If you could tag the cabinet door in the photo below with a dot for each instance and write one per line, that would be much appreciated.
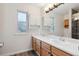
(45, 52)
(45, 46)
(45, 49)
(33, 43)
(38, 46)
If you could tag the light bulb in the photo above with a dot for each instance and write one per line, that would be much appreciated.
(75, 19)
(51, 6)
(56, 4)
(46, 9)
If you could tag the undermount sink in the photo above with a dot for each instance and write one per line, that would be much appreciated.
(59, 42)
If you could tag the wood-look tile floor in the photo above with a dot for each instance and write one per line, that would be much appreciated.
(29, 53)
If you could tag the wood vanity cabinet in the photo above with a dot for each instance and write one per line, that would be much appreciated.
(45, 49)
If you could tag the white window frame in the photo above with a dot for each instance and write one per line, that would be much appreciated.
(27, 23)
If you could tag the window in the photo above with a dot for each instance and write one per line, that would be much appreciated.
(52, 23)
(22, 21)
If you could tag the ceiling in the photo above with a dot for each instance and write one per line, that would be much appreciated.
(62, 9)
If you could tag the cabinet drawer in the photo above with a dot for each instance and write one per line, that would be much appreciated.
(59, 52)
(45, 46)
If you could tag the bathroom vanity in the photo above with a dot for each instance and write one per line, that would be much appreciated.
(44, 46)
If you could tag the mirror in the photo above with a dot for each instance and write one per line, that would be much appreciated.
(49, 23)
(53, 24)
(58, 21)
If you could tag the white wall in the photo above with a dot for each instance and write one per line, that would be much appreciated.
(13, 40)
(1, 21)
(1, 26)
(67, 31)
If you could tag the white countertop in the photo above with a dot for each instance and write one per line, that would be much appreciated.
(66, 44)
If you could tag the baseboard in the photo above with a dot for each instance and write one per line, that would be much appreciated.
(9, 54)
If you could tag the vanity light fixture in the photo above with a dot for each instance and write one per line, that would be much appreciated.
(52, 6)
(75, 19)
